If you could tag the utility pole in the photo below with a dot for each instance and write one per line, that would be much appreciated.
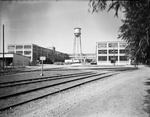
(3, 48)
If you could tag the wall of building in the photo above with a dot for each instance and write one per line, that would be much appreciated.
(19, 60)
(40, 51)
(108, 52)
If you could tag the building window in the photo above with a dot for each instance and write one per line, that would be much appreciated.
(122, 45)
(122, 51)
(102, 45)
(113, 51)
(102, 58)
(27, 52)
(19, 52)
(112, 45)
(11, 47)
(123, 58)
(113, 58)
(19, 47)
(27, 46)
(102, 51)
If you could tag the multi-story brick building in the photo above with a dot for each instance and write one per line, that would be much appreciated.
(109, 53)
(34, 52)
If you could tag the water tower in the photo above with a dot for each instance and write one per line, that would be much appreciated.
(77, 49)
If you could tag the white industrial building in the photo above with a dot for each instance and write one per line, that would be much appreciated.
(111, 53)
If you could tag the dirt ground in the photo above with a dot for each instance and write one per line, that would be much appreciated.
(124, 95)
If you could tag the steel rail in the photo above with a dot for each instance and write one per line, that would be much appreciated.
(35, 80)
(41, 78)
(57, 91)
(33, 70)
(51, 85)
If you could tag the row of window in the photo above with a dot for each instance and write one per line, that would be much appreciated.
(111, 45)
(104, 58)
(13, 47)
(21, 52)
(28, 53)
(112, 51)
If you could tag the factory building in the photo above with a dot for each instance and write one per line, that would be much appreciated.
(111, 53)
(34, 52)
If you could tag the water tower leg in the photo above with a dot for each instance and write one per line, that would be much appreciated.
(74, 48)
(77, 48)
(80, 49)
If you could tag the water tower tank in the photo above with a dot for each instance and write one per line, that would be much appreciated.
(77, 31)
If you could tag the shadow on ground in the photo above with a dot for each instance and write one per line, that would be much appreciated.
(147, 97)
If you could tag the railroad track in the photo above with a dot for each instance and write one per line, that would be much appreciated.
(66, 69)
(21, 92)
(41, 79)
(8, 72)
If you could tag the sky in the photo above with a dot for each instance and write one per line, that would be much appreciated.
(52, 23)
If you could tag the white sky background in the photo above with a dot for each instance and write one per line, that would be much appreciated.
(53, 22)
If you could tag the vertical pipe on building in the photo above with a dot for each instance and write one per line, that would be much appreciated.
(3, 46)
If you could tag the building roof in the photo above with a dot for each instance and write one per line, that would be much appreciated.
(10, 55)
(111, 42)
(22, 44)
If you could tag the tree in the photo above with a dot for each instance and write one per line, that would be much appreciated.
(136, 25)
(135, 31)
